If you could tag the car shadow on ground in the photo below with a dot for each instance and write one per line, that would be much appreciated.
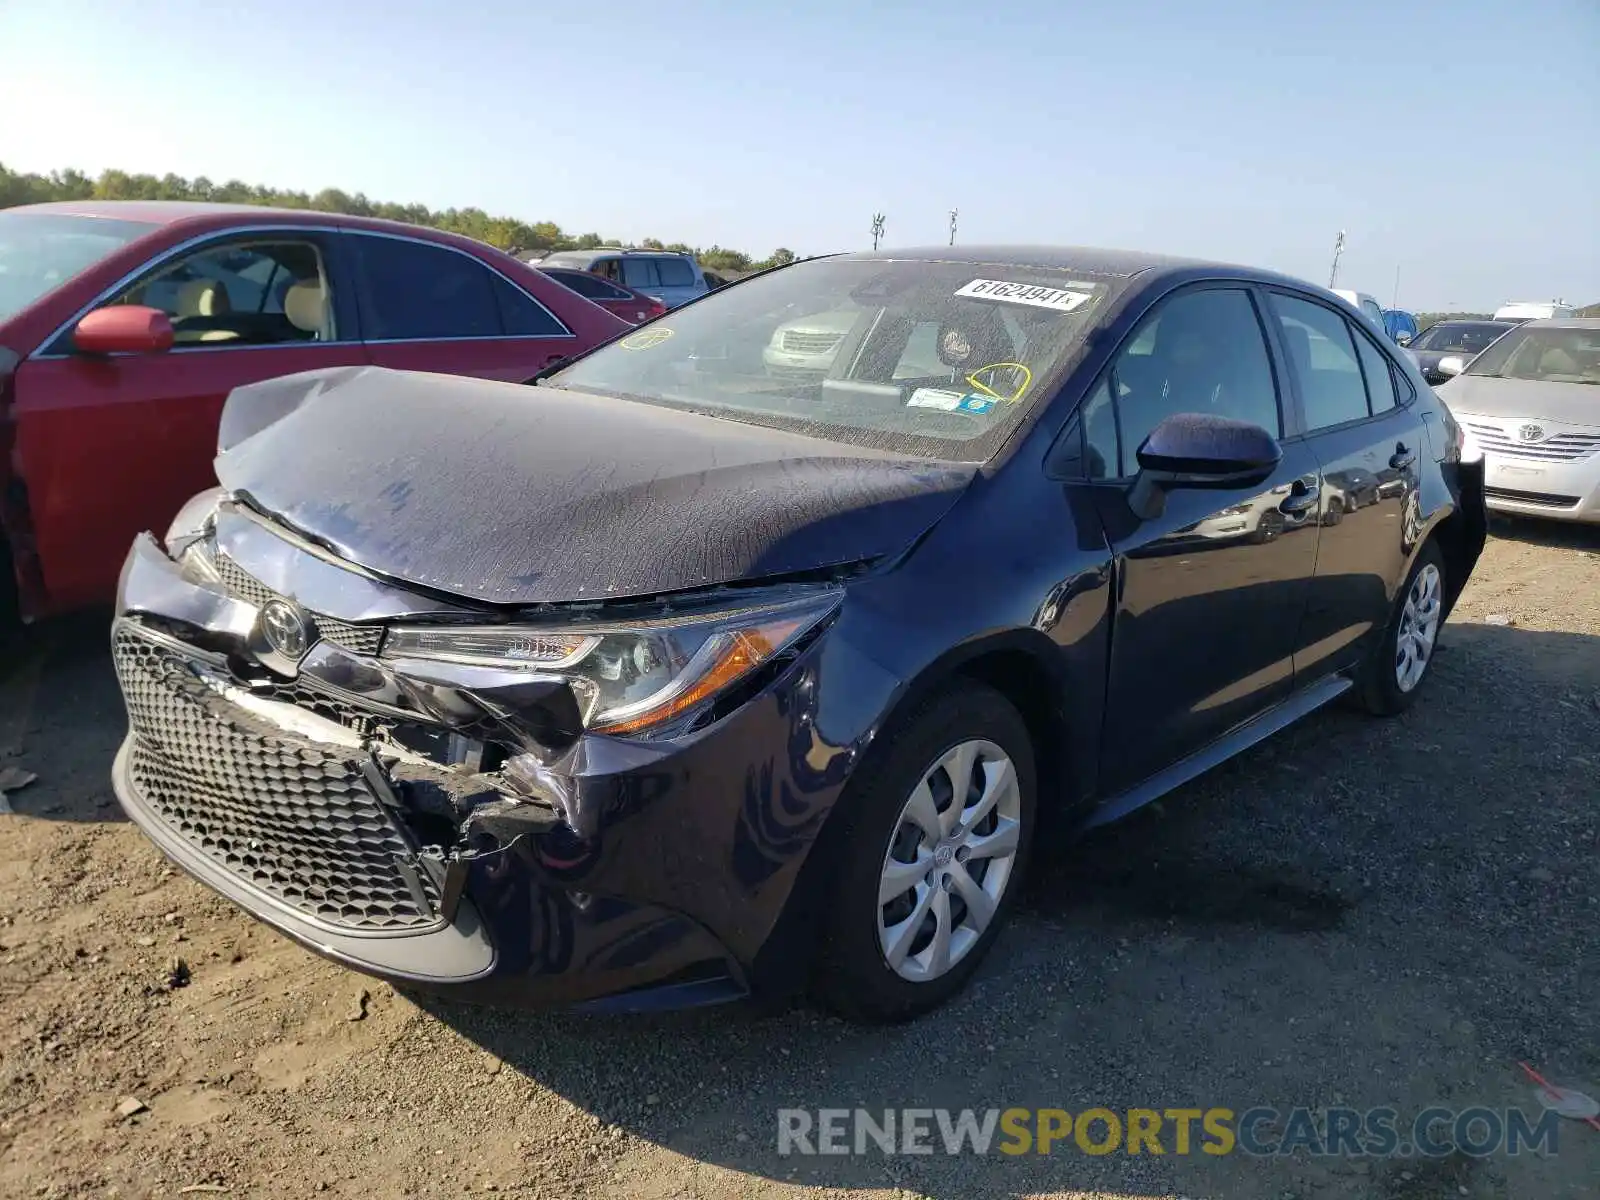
(1557, 535)
(61, 719)
(1356, 912)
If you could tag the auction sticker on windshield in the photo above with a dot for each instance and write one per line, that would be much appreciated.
(645, 339)
(1060, 299)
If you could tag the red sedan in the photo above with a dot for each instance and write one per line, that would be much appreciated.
(633, 307)
(124, 325)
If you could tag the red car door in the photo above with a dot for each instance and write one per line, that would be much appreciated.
(432, 306)
(113, 445)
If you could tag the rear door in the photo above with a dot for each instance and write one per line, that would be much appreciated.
(1355, 406)
(110, 446)
(1209, 594)
(427, 306)
(677, 281)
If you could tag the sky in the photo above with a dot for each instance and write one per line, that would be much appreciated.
(1456, 143)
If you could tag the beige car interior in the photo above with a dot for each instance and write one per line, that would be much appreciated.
(203, 298)
(306, 306)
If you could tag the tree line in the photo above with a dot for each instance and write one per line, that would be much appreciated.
(508, 233)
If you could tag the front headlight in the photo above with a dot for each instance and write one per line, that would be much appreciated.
(192, 522)
(628, 677)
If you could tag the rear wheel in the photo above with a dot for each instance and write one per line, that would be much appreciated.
(10, 607)
(1399, 664)
(937, 835)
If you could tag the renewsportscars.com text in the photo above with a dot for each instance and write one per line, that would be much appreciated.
(1261, 1131)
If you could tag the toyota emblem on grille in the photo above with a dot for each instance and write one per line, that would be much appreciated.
(284, 628)
(1530, 432)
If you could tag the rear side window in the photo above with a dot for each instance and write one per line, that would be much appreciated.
(521, 315)
(411, 291)
(674, 272)
(640, 273)
(1380, 379)
(1324, 362)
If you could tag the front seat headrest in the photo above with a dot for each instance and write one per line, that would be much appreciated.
(202, 298)
(305, 305)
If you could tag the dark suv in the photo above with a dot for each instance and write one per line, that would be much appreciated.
(669, 680)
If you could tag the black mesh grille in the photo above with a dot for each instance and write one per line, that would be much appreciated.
(290, 817)
(358, 639)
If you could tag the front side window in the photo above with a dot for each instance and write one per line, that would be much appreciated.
(1543, 354)
(1370, 307)
(252, 293)
(1323, 358)
(412, 291)
(940, 359)
(1200, 352)
(41, 251)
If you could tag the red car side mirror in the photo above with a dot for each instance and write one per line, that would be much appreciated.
(123, 329)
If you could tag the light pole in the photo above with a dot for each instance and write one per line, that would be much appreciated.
(877, 228)
(952, 227)
(1338, 249)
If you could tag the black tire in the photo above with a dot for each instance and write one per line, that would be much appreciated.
(1378, 688)
(10, 609)
(853, 977)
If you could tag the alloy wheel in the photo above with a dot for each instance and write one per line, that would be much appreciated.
(949, 860)
(1419, 628)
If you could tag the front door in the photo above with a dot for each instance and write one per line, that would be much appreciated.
(1369, 448)
(111, 446)
(1209, 594)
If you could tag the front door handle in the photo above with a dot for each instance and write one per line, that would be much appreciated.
(1402, 458)
(1301, 497)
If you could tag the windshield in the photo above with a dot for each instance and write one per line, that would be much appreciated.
(1550, 354)
(41, 251)
(1458, 339)
(938, 359)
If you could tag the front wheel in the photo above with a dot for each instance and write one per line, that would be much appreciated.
(1399, 664)
(936, 836)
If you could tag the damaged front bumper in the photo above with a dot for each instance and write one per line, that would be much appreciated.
(404, 819)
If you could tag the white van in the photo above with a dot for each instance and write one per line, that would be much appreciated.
(1517, 311)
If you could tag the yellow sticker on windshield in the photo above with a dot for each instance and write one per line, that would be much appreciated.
(645, 339)
(1005, 381)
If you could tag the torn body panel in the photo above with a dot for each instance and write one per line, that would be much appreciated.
(578, 865)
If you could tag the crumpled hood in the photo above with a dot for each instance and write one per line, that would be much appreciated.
(1522, 399)
(521, 495)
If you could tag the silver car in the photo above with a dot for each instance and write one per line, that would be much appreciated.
(1530, 403)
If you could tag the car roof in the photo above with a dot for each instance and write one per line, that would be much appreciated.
(1563, 323)
(1090, 260)
(602, 251)
(181, 212)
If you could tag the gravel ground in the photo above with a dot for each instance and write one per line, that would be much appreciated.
(1358, 912)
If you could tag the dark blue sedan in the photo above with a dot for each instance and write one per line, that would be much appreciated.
(676, 677)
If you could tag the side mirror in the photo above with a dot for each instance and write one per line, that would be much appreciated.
(1451, 365)
(1403, 338)
(1199, 450)
(123, 329)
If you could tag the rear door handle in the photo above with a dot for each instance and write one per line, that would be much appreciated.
(1302, 496)
(1402, 458)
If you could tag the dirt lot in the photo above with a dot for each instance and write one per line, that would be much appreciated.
(1359, 912)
